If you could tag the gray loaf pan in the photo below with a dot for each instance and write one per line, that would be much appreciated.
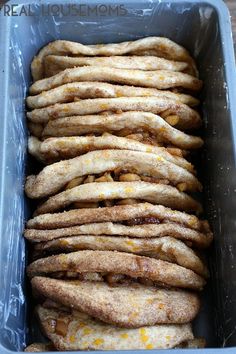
(203, 27)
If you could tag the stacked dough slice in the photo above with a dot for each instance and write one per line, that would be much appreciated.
(117, 249)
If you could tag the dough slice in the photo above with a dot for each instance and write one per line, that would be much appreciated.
(115, 123)
(195, 343)
(128, 306)
(100, 191)
(52, 178)
(90, 89)
(56, 149)
(77, 331)
(118, 263)
(158, 46)
(161, 229)
(186, 117)
(136, 214)
(164, 248)
(159, 79)
(56, 63)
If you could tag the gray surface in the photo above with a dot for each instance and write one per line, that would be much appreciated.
(204, 29)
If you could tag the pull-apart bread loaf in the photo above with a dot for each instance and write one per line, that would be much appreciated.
(117, 236)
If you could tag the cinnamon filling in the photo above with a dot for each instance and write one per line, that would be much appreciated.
(110, 278)
(61, 327)
(140, 135)
(142, 221)
(118, 175)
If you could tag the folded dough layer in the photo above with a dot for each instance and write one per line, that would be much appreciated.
(129, 306)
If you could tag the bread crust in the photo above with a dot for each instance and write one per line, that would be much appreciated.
(158, 46)
(164, 248)
(129, 306)
(114, 123)
(56, 149)
(56, 63)
(194, 237)
(118, 263)
(89, 334)
(93, 89)
(187, 117)
(117, 214)
(52, 178)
